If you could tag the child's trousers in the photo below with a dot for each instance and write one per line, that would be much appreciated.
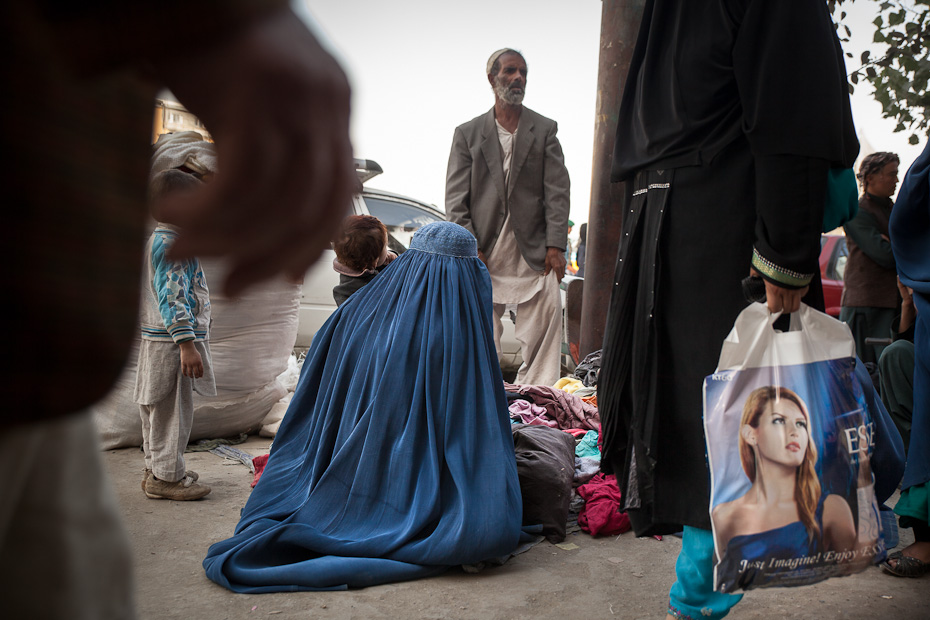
(166, 404)
(166, 428)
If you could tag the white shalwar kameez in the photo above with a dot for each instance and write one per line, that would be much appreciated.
(538, 326)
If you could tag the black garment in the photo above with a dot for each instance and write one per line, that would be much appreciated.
(580, 258)
(921, 529)
(546, 467)
(350, 284)
(582, 249)
(668, 318)
(729, 131)
(705, 72)
(589, 368)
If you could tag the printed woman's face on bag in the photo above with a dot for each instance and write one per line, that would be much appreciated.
(775, 429)
(782, 434)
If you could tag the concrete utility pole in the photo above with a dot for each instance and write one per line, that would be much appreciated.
(620, 21)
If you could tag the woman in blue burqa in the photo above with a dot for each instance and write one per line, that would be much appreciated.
(910, 241)
(395, 460)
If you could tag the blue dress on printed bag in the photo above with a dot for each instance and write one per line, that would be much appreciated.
(784, 543)
(395, 460)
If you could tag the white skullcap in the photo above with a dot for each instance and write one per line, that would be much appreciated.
(500, 53)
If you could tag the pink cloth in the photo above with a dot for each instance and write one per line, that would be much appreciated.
(569, 410)
(601, 514)
(528, 413)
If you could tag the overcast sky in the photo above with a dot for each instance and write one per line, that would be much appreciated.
(417, 69)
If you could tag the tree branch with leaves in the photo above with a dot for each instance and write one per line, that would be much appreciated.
(900, 77)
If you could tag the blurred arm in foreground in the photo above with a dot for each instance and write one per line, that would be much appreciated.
(78, 90)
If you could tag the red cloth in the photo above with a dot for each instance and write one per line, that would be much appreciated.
(259, 462)
(601, 514)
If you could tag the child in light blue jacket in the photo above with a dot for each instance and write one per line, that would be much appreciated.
(174, 355)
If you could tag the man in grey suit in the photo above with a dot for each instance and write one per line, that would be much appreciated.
(507, 184)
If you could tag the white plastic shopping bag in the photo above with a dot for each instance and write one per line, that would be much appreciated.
(788, 440)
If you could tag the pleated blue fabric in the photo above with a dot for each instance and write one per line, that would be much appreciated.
(395, 460)
(910, 242)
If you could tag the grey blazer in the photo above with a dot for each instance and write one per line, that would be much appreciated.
(538, 196)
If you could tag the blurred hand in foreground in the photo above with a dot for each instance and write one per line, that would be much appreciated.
(277, 105)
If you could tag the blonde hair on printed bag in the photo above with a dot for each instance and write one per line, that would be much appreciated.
(807, 486)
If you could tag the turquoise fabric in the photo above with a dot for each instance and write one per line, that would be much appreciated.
(842, 199)
(914, 504)
(692, 594)
(588, 446)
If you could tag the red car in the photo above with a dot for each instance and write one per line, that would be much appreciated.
(833, 255)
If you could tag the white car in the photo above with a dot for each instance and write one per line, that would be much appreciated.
(402, 216)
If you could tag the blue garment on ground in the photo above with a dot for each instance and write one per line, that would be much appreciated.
(395, 459)
(910, 239)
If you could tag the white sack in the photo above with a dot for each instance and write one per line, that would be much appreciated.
(251, 340)
(272, 421)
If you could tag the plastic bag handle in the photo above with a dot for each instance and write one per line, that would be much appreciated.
(812, 337)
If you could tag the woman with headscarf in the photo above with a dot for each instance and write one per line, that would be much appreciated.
(910, 240)
(870, 287)
(725, 135)
(395, 460)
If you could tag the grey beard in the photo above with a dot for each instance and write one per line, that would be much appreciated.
(506, 95)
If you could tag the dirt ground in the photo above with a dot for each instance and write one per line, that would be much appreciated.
(615, 577)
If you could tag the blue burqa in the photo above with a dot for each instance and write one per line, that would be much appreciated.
(395, 460)
(910, 242)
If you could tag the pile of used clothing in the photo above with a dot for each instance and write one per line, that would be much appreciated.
(556, 438)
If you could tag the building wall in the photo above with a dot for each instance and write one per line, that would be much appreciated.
(172, 117)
